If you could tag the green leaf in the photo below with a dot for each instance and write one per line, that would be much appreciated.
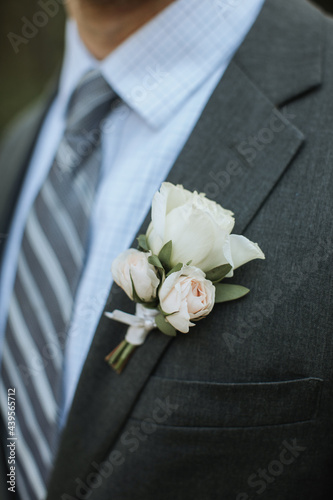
(143, 243)
(175, 269)
(151, 305)
(165, 255)
(161, 274)
(218, 273)
(225, 293)
(164, 326)
(155, 261)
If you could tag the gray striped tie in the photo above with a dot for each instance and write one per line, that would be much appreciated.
(50, 263)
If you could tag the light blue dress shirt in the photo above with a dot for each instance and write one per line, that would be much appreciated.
(165, 74)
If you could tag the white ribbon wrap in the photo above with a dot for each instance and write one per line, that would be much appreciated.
(140, 324)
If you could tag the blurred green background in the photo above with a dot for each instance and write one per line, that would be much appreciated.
(25, 72)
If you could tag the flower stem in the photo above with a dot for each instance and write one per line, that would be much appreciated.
(119, 357)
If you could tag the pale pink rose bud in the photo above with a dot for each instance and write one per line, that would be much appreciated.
(186, 295)
(134, 264)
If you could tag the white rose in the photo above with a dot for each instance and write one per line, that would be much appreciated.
(134, 264)
(186, 295)
(199, 229)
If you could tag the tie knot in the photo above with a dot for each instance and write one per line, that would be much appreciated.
(90, 102)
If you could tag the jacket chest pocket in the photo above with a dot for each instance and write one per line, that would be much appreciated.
(200, 404)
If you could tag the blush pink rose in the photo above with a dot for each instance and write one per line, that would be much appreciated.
(186, 295)
(134, 264)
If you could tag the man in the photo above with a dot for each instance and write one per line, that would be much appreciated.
(228, 98)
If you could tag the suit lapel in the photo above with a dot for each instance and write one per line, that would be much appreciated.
(239, 148)
(220, 159)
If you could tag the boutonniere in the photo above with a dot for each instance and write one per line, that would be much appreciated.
(175, 276)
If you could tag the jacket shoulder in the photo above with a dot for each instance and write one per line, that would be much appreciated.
(26, 124)
(15, 152)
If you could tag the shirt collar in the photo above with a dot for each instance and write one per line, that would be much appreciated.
(162, 64)
(77, 62)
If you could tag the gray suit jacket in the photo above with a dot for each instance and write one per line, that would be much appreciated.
(243, 406)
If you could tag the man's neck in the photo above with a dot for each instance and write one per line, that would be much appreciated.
(105, 24)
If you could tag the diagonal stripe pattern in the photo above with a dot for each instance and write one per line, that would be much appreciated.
(51, 260)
